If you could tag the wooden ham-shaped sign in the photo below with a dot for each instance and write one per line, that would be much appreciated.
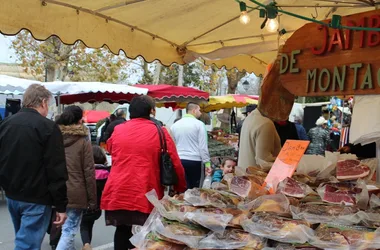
(322, 61)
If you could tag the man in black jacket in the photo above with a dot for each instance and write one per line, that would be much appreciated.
(33, 168)
(120, 118)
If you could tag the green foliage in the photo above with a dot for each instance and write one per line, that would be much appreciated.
(195, 74)
(317, 99)
(147, 77)
(62, 62)
(56, 61)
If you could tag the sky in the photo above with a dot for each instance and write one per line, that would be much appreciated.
(6, 54)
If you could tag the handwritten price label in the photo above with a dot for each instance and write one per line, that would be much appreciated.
(293, 151)
(286, 163)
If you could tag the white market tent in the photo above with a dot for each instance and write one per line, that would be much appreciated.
(17, 86)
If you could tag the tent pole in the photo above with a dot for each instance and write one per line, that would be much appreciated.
(342, 119)
(59, 103)
(378, 162)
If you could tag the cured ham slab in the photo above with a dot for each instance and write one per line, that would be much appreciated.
(351, 170)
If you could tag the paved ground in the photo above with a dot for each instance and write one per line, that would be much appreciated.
(102, 235)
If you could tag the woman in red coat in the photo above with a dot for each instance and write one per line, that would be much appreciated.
(135, 149)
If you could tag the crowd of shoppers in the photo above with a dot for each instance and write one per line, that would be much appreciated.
(55, 179)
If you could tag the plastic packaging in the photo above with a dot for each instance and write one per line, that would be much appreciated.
(308, 180)
(264, 165)
(373, 188)
(215, 219)
(210, 219)
(370, 218)
(227, 179)
(286, 246)
(179, 233)
(153, 242)
(324, 213)
(347, 193)
(141, 233)
(207, 182)
(240, 171)
(168, 207)
(335, 214)
(372, 164)
(256, 171)
(336, 193)
(347, 238)
(278, 228)
(277, 204)
(248, 187)
(318, 166)
(232, 239)
(374, 201)
(219, 186)
(238, 216)
(293, 188)
(211, 198)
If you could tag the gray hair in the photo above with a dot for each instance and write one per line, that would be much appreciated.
(120, 113)
(34, 95)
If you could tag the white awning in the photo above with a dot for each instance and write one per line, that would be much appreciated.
(17, 86)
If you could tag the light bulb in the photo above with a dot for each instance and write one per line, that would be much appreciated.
(244, 17)
(272, 25)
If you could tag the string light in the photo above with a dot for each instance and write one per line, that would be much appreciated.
(244, 17)
(272, 25)
(267, 11)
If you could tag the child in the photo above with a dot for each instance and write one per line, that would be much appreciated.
(228, 167)
(89, 217)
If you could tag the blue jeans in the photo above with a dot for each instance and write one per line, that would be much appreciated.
(70, 229)
(30, 222)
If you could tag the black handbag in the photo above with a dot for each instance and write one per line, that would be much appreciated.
(168, 175)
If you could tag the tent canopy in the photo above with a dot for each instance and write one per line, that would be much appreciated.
(93, 116)
(168, 30)
(177, 94)
(229, 101)
(216, 103)
(99, 92)
(164, 94)
(16, 86)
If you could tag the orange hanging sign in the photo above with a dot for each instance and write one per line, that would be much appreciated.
(286, 163)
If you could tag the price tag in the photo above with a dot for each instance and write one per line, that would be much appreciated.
(286, 163)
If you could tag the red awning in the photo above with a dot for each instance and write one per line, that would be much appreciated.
(91, 97)
(161, 93)
(170, 93)
(93, 116)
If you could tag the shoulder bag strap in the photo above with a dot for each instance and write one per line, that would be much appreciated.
(162, 138)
